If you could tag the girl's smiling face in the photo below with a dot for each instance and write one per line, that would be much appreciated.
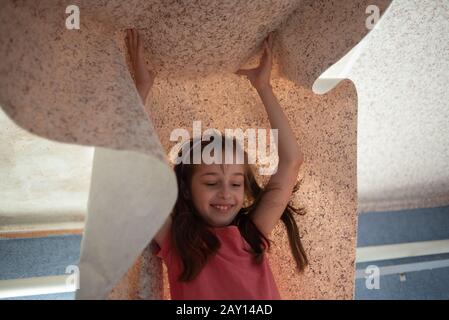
(218, 192)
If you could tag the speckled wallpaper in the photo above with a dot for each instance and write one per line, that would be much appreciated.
(74, 86)
(402, 81)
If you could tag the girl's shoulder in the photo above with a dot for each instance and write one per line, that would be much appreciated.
(163, 248)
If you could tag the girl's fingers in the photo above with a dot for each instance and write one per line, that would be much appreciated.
(269, 40)
(139, 48)
(128, 42)
(242, 72)
(131, 38)
(134, 39)
(128, 36)
(267, 51)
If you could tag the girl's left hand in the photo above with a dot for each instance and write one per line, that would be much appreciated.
(144, 77)
(260, 76)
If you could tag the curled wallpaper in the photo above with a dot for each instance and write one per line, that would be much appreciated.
(74, 86)
(401, 78)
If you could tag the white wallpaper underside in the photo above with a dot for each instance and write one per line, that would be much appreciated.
(403, 108)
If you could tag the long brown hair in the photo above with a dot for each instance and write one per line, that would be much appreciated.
(194, 242)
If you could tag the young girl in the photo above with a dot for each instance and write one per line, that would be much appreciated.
(212, 243)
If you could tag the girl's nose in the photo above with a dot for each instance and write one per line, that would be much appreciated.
(224, 193)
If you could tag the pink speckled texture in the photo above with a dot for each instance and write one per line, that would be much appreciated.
(69, 86)
(74, 87)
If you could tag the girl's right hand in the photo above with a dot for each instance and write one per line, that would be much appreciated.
(260, 76)
(144, 78)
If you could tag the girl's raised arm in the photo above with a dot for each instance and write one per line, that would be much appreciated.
(279, 188)
(143, 77)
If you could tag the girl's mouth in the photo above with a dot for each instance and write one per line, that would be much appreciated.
(222, 208)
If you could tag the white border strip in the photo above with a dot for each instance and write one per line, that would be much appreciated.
(36, 286)
(409, 267)
(401, 250)
(37, 227)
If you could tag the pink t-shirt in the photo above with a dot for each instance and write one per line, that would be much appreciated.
(229, 274)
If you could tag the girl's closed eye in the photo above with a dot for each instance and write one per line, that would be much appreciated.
(214, 183)
(210, 183)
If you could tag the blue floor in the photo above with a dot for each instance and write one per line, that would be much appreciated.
(36, 257)
(380, 228)
(25, 258)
